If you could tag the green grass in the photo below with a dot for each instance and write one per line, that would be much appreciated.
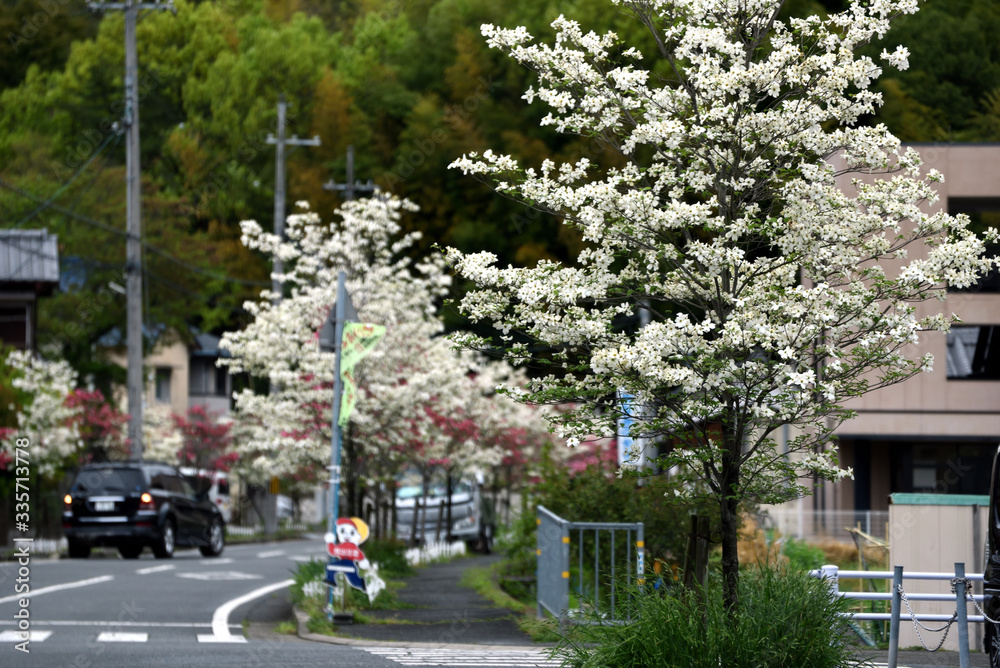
(287, 628)
(484, 582)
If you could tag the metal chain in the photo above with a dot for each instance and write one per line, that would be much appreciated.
(975, 603)
(916, 624)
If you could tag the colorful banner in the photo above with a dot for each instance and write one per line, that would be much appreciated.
(359, 340)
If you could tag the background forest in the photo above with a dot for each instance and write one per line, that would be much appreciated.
(409, 83)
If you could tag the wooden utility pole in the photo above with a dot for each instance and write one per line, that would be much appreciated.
(280, 141)
(133, 254)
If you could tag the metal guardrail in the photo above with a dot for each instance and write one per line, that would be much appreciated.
(898, 596)
(554, 542)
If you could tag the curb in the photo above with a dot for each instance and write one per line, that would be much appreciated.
(301, 618)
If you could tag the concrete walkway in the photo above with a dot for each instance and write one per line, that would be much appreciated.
(446, 613)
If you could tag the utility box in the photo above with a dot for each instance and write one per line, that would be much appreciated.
(929, 533)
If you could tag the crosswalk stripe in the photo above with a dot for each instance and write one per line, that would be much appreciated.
(464, 657)
(18, 636)
(117, 636)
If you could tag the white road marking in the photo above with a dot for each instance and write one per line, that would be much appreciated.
(60, 587)
(220, 575)
(272, 553)
(303, 557)
(465, 657)
(64, 622)
(220, 620)
(18, 636)
(216, 562)
(117, 636)
(155, 569)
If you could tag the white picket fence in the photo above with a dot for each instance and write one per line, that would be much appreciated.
(434, 551)
(255, 529)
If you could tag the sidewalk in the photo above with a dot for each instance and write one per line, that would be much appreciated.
(924, 659)
(446, 614)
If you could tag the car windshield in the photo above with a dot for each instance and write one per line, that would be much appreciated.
(101, 480)
(434, 490)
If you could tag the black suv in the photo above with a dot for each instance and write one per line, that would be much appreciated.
(129, 505)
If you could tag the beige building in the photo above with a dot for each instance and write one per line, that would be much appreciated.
(937, 432)
(185, 375)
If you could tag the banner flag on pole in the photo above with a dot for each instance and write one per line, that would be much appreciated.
(358, 341)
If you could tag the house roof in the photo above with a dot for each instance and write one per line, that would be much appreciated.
(29, 256)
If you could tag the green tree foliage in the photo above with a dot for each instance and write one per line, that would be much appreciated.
(954, 70)
(408, 83)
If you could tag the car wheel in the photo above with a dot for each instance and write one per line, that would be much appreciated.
(993, 644)
(163, 548)
(78, 550)
(216, 541)
(130, 551)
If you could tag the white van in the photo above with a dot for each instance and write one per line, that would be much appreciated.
(218, 492)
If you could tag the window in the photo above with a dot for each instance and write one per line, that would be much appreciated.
(974, 353)
(220, 382)
(983, 212)
(163, 384)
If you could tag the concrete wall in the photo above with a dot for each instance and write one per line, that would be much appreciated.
(932, 538)
(930, 404)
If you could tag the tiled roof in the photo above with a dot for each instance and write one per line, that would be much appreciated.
(29, 256)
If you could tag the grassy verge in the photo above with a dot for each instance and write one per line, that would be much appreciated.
(261, 537)
(484, 582)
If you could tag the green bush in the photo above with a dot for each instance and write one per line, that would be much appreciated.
(596, 494)
(802, 556)
(390, 555)
(787, 620)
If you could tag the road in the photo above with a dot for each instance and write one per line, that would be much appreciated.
(183, 612)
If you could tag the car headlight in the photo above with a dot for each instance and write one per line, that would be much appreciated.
(465, 523)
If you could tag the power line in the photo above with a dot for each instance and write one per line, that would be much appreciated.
(148, 246)
(44, 205)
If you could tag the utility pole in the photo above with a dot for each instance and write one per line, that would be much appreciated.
(279, 183)
(350, 186)
(133, 254)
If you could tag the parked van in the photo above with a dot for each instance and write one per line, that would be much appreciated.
(471, 519)
(218, 491)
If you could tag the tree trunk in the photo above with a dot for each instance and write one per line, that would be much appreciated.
(730, 524)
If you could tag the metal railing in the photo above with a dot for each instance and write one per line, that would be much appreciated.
(555, 541)
(962, 596)
(814, 526)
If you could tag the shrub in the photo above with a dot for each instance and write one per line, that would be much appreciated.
(787, 620)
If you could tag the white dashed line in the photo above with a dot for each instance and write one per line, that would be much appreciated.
(18, 636)
(49, 590)
(118, 636)
(272, 553)
(220, 575)
(155, 569)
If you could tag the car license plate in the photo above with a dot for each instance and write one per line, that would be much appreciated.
(101, 506)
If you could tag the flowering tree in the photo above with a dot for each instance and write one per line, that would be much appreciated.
(46, 418)
(162, 439)
(207, 441)
(775, 297)
(411, 369)
(101, 425)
